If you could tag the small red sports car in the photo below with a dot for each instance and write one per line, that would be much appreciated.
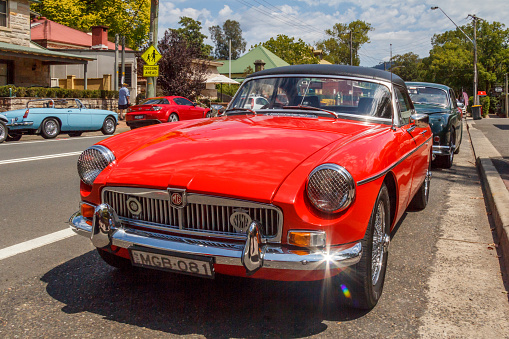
(164, 109)
(309, 187)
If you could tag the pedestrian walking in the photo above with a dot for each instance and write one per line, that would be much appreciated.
(123, 100)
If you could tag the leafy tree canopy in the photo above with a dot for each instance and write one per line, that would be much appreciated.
(220, 35)
(125, 17)
(180, 70)
(291, 51)
(336, 48)
(408, 67)
(451, 57)
(191, 32)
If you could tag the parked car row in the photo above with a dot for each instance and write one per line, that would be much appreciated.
(51, 117)
(311, 183)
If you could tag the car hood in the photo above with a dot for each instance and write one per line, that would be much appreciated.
(246, 157)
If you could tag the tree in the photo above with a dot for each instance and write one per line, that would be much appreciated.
(180, 71)
(125, 17)
(230, 31)
(291, 51)
(408, 67)
(451, 57)
(336, 49)
(191, 32)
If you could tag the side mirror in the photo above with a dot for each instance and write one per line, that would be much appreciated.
(420, 120)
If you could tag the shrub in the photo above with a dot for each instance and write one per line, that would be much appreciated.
(485, 102)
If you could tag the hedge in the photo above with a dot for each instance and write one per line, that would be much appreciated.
(43, 92)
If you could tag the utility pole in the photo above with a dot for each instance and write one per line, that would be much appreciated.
(476, 97)
(351, 48)
(115, 73)
(123, 60)
(154, 14)
(506, 98)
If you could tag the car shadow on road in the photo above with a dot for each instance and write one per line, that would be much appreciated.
(180, 304)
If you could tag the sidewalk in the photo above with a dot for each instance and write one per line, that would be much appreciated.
(490, 141)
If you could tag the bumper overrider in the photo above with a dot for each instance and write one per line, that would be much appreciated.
(441, 150)
(107, 230)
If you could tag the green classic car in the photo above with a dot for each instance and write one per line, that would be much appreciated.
(445, 118)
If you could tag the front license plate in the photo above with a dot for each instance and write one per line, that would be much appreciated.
(174, 262)
(139, 116)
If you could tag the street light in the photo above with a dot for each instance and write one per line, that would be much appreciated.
(476, 98)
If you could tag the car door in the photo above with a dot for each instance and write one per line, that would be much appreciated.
(457, 117)
(420, 136)
(78, 119)
(188, 110)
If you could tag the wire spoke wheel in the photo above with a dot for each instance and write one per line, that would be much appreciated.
(378, 248)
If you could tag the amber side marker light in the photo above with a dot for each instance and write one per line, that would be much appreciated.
(307, 238)
(87, 211)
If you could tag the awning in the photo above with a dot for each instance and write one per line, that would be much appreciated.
(47, 56)
(220, 79)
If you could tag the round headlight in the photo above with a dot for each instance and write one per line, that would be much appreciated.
(93, 161)
(330, 188)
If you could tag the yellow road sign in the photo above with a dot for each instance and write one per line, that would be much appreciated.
(151, 56)
(150, 71)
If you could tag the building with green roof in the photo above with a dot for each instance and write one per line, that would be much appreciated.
(239, 66)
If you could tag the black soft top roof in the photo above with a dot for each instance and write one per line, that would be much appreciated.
(342, 70)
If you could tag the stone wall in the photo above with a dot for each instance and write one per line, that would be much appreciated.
(17, 31)
(9, 104)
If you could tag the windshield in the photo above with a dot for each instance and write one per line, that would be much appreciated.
(339, 95)
(428, 95)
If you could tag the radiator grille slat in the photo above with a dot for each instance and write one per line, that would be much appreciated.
(198, 217)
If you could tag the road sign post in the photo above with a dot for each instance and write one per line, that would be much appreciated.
(154, 14)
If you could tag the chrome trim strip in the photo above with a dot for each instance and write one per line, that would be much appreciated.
(275, 257)
(384, 172)
(441, 150)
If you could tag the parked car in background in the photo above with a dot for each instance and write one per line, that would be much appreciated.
(255, 102)
(445, 118)
(3, 128)
(304, 192)
(50, 117)
(164, 109)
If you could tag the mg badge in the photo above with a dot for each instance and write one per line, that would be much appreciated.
(240, 220)
(134, 206)
(177, 198)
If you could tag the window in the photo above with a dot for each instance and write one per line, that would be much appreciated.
(128, 77)
(183, 102)
(6, 67)
(3, 13)
(405, 107)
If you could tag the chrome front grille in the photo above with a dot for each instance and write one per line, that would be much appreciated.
(202, 215)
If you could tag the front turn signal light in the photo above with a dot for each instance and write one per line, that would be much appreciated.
(87, 211)
(307, 238)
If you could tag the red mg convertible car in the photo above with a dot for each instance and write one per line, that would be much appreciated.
(309, 187)
(164, 109)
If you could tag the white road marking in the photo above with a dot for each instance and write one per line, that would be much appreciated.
(35, 243)
(5, 144)
(40, 157)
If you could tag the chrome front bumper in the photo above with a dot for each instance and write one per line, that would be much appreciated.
(107, 230)
(441, 150)
(24, 123)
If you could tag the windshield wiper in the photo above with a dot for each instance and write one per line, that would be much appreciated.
(312, 109)
(240, 109)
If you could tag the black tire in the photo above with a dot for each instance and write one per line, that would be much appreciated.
(114, 260)
(75, 134)
(445, 161)
(50, 128)
(173, 117)
(14, 137)
(365, 280)
(109, 126)
(4, 132)
(420, 200)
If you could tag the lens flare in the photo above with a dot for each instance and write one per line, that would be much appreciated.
(345, 290)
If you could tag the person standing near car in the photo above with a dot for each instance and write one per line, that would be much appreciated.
(123, 100)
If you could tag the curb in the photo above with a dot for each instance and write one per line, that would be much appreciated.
(495, 190)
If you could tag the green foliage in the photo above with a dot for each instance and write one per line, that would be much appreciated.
(125, 17)
(221, 35)
(291, 51)
(408, 67)
(43, 92)
(191, 32)
(227, 89)
(336, 49)
(485, 102)
(451, 57)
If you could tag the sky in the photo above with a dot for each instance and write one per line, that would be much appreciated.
(407, 25)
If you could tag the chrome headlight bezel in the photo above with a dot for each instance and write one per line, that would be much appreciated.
(342, 177)
(90, 168)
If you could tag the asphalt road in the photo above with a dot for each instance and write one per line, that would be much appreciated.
(443, 277)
